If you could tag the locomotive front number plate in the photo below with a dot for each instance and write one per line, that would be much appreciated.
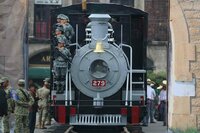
(98, 83)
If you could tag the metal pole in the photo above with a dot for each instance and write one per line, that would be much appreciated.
(26, 47)
(70, 90)
(66, 87)
(76, 35)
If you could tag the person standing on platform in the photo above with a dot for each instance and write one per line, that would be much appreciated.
(43, 95)
(68, 29)
(163, 102)
(151, 94)
(3, 103)
(23, 101)
(11, 105)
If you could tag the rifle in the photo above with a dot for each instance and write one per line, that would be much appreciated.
(66, 59)
(57, 53)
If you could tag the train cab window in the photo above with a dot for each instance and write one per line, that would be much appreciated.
(42, 20)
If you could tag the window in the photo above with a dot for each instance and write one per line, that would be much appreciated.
(123, 2)
(42, 21)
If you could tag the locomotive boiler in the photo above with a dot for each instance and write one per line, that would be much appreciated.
(102, 85)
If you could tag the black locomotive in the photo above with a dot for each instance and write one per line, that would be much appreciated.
(105, 83)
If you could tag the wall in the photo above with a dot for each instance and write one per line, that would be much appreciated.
(184, 109)
(158, 33)
(12, 38)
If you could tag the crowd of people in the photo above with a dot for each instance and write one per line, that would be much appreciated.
(156, 103)
(24, 104)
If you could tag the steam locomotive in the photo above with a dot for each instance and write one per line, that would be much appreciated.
(105, 82)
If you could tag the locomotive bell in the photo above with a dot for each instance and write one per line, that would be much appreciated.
(99, 48)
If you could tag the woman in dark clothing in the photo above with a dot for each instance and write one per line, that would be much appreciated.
(33, 109)
(3, 100)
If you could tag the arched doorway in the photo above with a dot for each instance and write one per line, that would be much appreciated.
(39, 66)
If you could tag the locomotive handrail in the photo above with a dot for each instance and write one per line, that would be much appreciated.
(66, 87)
(70, 90)
(75, 44)
(127, 79)
(139, 71)
(130, 71)
(138, 82)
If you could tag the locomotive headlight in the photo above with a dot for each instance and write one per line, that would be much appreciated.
(99, 69)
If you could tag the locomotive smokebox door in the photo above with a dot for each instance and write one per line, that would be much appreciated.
(99, 69)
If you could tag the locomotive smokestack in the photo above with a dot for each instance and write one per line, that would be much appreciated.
(99, 28)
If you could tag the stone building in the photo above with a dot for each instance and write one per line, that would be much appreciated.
(184, 60)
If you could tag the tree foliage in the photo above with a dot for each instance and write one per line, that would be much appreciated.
(157, 77)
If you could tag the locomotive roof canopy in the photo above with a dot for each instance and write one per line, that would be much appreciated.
(108, 8)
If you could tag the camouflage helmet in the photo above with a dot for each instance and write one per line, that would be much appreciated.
(64, 17)
(59, 28)
(60, 39)
(60, 16)
(1, 81)
(4, 79)
(21, 81)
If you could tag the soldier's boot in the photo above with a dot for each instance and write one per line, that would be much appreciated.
(42, 126)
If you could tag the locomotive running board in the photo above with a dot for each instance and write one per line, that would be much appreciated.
(98, 120)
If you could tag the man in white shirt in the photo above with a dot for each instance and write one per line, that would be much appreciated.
(163, 102)
(151, 94)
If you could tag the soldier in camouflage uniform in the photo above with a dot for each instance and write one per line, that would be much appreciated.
(10, 101)
(60, 65)
(48, 119)
(68, 29)
(43, 95)
(23, 101)
(59, 34)
(59, 17)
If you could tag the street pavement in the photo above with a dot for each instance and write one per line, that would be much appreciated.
(56, 127)
(155, 128)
